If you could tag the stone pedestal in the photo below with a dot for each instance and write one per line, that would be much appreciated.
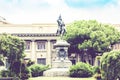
(61, 65)
(55, 72)
(61, 60)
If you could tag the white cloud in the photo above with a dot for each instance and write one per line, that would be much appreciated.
(84, 1)
(33, 11)
(29, 13)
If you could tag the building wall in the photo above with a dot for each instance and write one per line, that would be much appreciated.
(45, 50)
(39, 39)
(40, 48)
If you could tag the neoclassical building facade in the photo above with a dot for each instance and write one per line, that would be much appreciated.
(39, 40)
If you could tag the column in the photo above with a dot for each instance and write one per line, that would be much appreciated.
(33, 54)
(48, 53)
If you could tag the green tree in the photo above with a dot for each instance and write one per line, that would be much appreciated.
(90, 36)
(12, 47)
(110, 65)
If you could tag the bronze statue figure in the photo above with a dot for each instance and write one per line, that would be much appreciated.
(61, 27)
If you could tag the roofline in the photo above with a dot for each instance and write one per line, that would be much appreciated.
(28, 25)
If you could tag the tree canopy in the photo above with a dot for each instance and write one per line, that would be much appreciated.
(91, 35)
(13, 48)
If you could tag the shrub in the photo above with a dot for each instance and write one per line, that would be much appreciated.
(96, 69)
(37, 69)
(20, 68)
(1, 63)
(24, 72)
(97, 72)
(29, 63)
(6, 73)
(81, 70)
(110, 65)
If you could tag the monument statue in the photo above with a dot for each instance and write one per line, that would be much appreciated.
(61, 47)
(61, 63)
(61, 27)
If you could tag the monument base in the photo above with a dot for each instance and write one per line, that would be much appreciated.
(61, 64)
(55, 72)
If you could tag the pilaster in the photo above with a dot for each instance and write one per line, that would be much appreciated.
(33, 56)
(48, 58)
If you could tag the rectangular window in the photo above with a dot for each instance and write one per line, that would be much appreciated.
(27, 45)
(41, 45)
(41, 61)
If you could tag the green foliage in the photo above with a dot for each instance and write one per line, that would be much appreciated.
(1, 63)
(81, 70)
(37, 69)
(91, 35)
(20, 69)
(24, 72)
(12, 47)
(110, 65)
(97, 72)
(29, 63)
(6, 73)
(96, 69)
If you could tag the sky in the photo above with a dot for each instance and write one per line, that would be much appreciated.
(48, 11)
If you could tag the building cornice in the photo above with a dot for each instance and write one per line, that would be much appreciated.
(33, 35)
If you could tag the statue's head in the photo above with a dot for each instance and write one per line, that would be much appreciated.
(60, 18)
